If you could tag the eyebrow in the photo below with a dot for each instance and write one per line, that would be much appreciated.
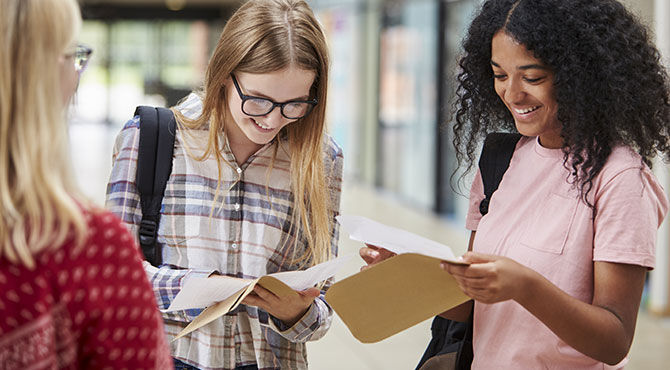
(524, 67)
(257, 94)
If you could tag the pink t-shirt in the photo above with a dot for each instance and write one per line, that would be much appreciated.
(536, 218)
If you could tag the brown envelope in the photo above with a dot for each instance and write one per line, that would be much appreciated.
(214, 312)
(394, 295)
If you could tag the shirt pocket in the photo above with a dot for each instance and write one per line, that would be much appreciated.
(549, 229)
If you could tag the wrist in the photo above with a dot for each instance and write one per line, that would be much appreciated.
(527, 288)
(293, 320)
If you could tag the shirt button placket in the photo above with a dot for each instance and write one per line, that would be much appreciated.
(235, 225)
(237, 233)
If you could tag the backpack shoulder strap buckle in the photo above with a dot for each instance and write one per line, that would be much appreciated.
(148, 232)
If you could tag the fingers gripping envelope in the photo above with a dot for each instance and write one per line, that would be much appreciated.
(399, 292)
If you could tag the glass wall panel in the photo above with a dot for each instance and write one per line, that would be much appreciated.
(139, 62)
(407, 100)
(341, 22)
(456, 17)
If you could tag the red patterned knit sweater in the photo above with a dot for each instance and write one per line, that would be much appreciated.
(90, 307)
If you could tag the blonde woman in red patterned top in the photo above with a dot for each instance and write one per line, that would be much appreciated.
(73, 293)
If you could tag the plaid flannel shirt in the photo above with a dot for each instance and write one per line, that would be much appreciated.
(243, 234)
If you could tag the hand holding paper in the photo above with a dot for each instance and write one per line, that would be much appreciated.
(399, 292)
(395, 240)
(288, 309)
(373, 254)
(222, 294)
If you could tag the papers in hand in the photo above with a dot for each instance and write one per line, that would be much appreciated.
(222, 294)
(399, 292)
(395, 240)
(203, 292)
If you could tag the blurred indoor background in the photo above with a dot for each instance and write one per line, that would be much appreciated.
(391, 84)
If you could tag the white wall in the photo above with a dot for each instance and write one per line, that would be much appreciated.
(659, 300)
(643, 9)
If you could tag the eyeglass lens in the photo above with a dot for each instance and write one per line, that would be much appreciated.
(81, 57)
(261, 107)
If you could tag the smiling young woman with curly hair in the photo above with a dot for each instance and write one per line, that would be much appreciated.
(557, 265)
(559, 261)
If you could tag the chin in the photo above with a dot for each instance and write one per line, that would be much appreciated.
(530, 129)
(262, 140)
(525, 130)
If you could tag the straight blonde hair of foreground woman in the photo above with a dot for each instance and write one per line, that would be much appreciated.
(73, 293)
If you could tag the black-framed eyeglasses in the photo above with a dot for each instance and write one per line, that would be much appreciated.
(81, 56)
(256, 106)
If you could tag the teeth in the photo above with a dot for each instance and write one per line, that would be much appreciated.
(527, 110)
(261, 125)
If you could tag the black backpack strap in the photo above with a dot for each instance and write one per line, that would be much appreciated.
(452, 336)
(493, 162)
(154, 165)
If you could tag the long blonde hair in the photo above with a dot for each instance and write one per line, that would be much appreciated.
(265, 36)
(37, 195)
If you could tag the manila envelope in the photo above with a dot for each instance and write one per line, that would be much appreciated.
(213, 312)
(394, 295)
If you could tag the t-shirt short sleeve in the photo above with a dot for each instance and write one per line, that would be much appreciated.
(629, 210)
(476, 197)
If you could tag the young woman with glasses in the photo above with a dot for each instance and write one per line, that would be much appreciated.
(254, 188)
(73, 293)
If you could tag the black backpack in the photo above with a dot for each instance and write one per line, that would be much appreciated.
(154, 165)
(453, 338)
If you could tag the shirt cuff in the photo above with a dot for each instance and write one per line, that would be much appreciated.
(203, 274)
(190, 314)
(302, 329)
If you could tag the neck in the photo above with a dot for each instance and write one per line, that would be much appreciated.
(242, 151)
(239, 143)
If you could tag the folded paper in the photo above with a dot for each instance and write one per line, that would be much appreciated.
(396, 240)
(398, 293)
(222, 294)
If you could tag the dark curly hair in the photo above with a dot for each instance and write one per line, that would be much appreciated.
(610, 86)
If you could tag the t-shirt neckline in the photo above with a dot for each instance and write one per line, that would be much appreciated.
(547, 152)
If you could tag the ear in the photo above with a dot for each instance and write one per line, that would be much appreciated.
(226, 82)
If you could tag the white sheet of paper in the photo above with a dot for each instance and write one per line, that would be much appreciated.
(395, 240)
(301, 280)
(204, 292)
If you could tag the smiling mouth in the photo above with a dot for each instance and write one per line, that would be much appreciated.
(261, 125)
(527, 110)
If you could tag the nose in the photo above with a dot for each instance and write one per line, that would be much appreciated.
(514, 91)
(274, 118)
